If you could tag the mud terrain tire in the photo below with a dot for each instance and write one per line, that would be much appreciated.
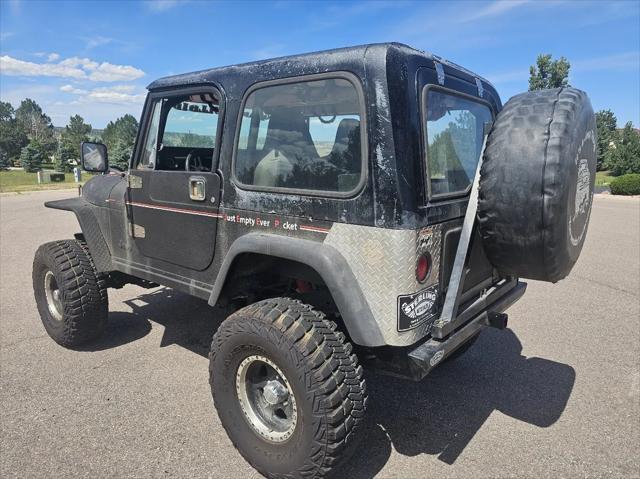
(81, 299)
(321, 371)
(536, 184)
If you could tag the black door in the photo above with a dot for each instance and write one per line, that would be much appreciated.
(173, 190)
(167, 223)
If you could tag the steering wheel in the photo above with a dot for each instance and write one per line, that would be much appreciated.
(326, 122)
(197, 162)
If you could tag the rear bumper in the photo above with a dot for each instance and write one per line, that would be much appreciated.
(487, 311)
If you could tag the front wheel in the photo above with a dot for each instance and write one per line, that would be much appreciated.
(288, 390)
(71, 296)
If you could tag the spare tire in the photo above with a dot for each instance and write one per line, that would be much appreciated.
(536, 183)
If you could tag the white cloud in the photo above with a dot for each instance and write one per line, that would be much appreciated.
(162, 5)
(14, 67)
(109, 72)
(268, 51)
(117, 94)
(98, 41)
(74, 67)
(61, 105)
(52, 57)
(84, 63)
(519, 74)
(72, 89)
(494, 9)
(15, 5)
(628, 61)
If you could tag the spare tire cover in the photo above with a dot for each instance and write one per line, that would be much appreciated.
(536, 183)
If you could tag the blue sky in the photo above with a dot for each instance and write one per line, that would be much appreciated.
(95, 58)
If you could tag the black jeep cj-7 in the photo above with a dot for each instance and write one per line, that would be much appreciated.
(373, 201)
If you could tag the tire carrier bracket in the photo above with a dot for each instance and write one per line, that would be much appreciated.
(444, 325)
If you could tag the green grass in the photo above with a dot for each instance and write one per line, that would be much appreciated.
(603, 178)
(19, 180)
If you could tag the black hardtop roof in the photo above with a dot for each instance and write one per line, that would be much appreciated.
(293, 65)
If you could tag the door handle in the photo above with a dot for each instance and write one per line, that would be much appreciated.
(197, 188)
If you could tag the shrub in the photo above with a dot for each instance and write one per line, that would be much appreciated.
(626, 185)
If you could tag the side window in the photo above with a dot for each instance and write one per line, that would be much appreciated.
(455, 128)
(190, 124)
(303, 135)
(182, 133)
(259, 129)
(148, 156)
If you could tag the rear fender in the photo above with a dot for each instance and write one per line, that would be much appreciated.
(327, 262)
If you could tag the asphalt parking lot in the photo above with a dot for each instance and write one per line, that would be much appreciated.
(555, 395)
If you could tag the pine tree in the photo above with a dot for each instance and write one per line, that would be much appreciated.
(5, 162)
(73, 135)
(606, 124)
(120, 136)
(31, 157)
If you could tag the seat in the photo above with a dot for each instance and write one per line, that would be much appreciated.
(288, 143)
(346, 128)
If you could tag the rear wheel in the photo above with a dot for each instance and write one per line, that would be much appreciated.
(71, 296)
(288, 389)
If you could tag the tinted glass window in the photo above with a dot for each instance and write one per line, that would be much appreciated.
(182, 133)
(148, 156)
(191, 124)
(455, 128)
(302, 135)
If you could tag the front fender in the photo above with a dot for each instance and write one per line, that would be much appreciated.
(88, 218)
(327, 262)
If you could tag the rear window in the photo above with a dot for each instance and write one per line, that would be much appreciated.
(301, 136)
(455, 127)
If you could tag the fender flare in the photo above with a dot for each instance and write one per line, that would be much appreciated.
(327, 262)
(86, 214)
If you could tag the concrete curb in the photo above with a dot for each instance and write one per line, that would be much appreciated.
(616, 197)
(28, 192)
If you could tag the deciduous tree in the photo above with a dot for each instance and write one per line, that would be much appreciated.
(37, 125)
(12, 138)
(623, 156)
(548, 73)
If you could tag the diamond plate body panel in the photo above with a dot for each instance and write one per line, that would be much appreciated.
(383, 262)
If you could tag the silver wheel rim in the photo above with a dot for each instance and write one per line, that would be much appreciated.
(53, 294)
(266, 398)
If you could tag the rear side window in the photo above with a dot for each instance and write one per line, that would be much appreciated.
(302, 136)
(455, 127)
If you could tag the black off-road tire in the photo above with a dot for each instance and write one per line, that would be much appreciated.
(83, 292)
(325, 377)
(537, 181)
